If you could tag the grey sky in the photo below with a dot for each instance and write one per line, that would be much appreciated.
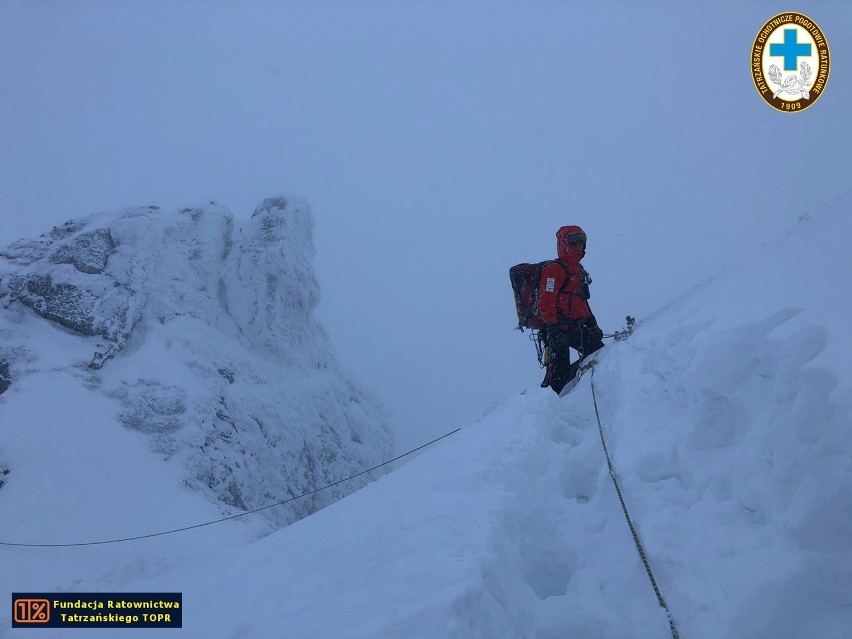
(438, 143)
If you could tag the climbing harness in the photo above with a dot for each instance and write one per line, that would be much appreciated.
(633, 532)
(543, 351)
(546, 355)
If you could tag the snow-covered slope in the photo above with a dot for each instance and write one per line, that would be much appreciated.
(179, 331)
(729, 420)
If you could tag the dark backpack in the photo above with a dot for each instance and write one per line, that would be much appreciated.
(525, 279)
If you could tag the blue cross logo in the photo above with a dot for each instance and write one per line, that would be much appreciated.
(790, 50)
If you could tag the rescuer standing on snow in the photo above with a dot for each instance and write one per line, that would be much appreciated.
(563, 307)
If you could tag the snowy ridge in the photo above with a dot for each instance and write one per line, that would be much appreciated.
(202, 335)
(730, 431)
(729, 422)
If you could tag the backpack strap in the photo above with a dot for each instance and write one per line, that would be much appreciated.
(564, 285)
(583, 275)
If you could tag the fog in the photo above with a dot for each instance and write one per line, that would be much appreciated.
(438, 144)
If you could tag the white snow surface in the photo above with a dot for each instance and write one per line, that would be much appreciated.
(728, 415)
(180, 332)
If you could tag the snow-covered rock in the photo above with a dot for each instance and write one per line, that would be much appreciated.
(201, 332)
(728, 419)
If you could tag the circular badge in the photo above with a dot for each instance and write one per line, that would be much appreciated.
(790, 62)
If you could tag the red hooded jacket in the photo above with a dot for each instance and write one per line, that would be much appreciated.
(558, 299)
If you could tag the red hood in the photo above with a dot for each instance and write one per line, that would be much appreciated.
(563, 250)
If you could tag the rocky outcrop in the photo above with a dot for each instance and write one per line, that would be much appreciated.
(66, 276)
(202, 332)
(88, 252)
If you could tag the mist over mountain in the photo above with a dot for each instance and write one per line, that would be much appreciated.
(200, 331)
(730, 435)
(165, 370)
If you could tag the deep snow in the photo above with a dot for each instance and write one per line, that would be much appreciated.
(729, 420)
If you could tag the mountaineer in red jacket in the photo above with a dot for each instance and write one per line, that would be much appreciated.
(563, 306)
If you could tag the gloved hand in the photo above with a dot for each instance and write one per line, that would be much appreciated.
(591, 328)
